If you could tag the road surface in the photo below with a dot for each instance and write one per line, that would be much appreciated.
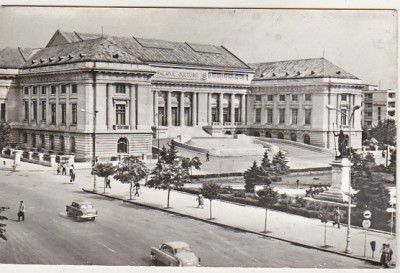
(123, 234)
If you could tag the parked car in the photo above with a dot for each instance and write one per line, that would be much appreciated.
(175, 254)
(82, 210)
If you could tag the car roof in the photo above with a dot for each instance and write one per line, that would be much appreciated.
(177, 244)
(84, 202)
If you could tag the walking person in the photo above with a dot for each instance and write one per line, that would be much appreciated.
(108, 183)
(58, 168)
(21, 211)
(71, 169)
(336, 217)
(137, 187)
(297, 183)
(208, 156)
(64, 169)
(4, 164)
(72, 175)
(386, 256)
(200, 201)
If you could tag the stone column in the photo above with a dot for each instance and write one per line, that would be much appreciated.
(30, 155)
(209, 116)
(41, 157)
(194, 109)
(169, 112)
(243, 109)
(17, 160)
(233, 108)
(132, 108)
(48, 110)
(52, 160)
(155, 106)
(58, 110)
(30, 106)
(182, 109)
(68, 114)
(110, 108)
(221, 108)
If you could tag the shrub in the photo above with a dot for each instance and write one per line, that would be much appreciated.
(241, 194)
(227, 190)
(283, 196)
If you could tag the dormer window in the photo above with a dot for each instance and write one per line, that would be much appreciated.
(338, 72)
(287, 74)
(312, 72)
(273, 74)
(116, 56)
(60, 58)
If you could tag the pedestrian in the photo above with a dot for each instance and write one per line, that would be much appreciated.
(72, 175)
(58, 169)
(4, 164)
(64, 170)
(21, 211)
(336, 217)
(71, 169)
(200, 201)
(108, 183)
(208, 156)
(137, 187)
(297, 183)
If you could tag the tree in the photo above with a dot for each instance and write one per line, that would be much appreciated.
(131, 171)
(267, 197)
(392, 165)
(104, 170)
(5, 131)
(172, 153)
(163, 154)
(385, 132)
(2, 229)
(188, 163)
(251, 177)
(280, 163)
(168, 176)
(265, 162)
(211, 191)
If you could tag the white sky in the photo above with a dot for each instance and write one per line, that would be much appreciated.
(363, 42)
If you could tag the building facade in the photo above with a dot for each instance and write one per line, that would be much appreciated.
(87, 94)
(378, 105)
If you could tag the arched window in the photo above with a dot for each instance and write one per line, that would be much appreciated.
(62, 144)
(293, 137)
(307, 139)
(268, 134)
(72, 144)
(33, 140)
(228, 133)
(280, 135)
(122, 146)
(257, 134)
(51, 138)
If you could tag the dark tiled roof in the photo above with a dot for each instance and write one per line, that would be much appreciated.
(158, 51)
(304, 68)
(15, 57)
(101, 49)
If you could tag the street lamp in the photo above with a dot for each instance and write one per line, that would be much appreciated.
(348, 240)
(94, 144)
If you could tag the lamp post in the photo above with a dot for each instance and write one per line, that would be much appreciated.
(350, 118)
(94, 144)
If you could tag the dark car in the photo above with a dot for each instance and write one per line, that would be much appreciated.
(82, 210)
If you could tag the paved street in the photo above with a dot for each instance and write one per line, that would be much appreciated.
(123, 234)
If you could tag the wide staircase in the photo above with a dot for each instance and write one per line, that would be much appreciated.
(187, 130)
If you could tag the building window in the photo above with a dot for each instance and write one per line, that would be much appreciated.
(74, 113)
(34, 90)
(392, 95)
(74, 89)
(307, 120)
(122, 145)
(368, 96)
(270, 97)
(120, 114)
(282, 97)
(63, 113)
(42, 142)
(368, 105)
(343, 97)
(214, 114)
(120, 88)
(307, 97)
(269, 116)
(53, 90)
(379, 113)
(293, 137)
(53, 113)
(281, 116)
(26, 104)
(72, 144)
(368, 114)
(25, 137)
(26, 90)
(51, 139)
(44, 110)
(33, 140)
(294, 97)
(294, 116)
(63, 89)
(258, 115)
(161, 116)
(62, 144)
(281, 135)
(34, 105)
(258, 98)
(306, 139)
(343, 116)
(3, 112)
(43, 90)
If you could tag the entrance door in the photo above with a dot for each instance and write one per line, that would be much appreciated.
(226, 114)
(174, 113)
(188, 118)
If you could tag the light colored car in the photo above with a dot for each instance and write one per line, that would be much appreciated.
(175, 254)
(82, 210)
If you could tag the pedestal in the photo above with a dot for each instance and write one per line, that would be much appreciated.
(17, 160)
(52, 160)
(338, 192)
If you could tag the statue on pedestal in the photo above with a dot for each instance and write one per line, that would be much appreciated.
(342, 144)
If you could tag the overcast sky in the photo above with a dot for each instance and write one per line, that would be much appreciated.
(363, 42)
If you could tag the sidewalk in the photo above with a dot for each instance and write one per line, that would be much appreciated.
(289, 227)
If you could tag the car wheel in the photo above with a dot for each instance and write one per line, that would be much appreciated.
(153, 258)
(68, 213)
(93, 218)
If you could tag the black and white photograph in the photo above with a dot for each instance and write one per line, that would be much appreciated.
(146, 137)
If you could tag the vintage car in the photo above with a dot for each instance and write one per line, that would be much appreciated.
(82, 210)
(174, 254)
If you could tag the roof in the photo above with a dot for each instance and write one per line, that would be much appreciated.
(177, 244)
(303, 68)
(15, 57)
(143, 50)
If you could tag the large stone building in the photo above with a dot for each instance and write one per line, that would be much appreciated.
(125, 90)
(378, 105)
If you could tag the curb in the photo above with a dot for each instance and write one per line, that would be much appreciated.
(236, 228)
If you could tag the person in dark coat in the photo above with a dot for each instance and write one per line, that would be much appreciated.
(208, 156)
(21, 211)
(336, 217)
(137, 187)
(64, 170)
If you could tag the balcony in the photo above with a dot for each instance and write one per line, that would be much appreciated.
(121, 127)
